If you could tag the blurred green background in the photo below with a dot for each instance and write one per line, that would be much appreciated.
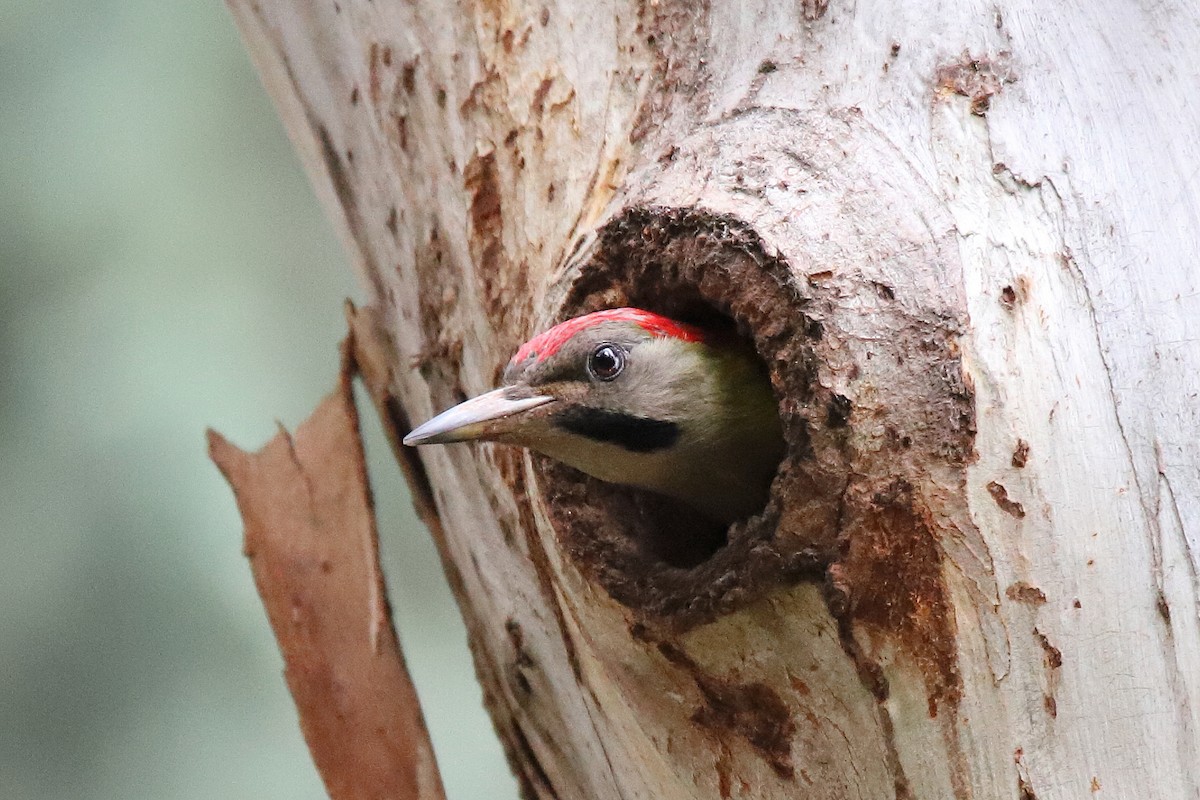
(166, 268)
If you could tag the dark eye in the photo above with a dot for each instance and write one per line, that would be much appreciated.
(606, 362)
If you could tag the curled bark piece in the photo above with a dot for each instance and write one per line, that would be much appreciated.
(313, 547)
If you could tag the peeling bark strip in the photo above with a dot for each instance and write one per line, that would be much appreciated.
(313, 547)
(312, 543)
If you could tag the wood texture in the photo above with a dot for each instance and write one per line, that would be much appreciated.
(965, 237)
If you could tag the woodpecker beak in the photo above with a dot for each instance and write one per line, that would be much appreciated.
(484, 417)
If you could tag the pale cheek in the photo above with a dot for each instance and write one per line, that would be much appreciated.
(604, 461)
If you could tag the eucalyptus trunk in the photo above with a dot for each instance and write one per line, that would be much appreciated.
(963, 236)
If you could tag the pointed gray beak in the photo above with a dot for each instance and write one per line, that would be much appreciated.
(474, 418)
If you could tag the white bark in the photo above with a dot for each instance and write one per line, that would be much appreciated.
(1021, 178)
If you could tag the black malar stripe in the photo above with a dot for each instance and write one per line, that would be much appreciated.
(637, 434)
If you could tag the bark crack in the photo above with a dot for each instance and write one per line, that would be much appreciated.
(1178, 678)
(875, 682)
(1067, 258)
(310, 491)
(600, 737)
(1149, 506)
(1184, 540)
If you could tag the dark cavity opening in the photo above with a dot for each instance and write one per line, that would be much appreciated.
(655, 555)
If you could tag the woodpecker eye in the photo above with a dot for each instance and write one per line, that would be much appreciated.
(606, 362)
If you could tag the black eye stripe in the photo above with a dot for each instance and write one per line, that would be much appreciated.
(639, 434)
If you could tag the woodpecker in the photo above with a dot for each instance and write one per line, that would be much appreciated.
(632, 397)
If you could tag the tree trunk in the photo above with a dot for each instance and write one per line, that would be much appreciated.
(963, 237)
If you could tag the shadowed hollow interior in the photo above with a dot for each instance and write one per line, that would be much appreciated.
(648, 552)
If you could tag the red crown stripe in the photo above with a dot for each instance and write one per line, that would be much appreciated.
(548, 343)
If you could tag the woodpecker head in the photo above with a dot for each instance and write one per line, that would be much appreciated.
(635, 398)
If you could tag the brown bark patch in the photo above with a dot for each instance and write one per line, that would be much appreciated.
(374, 72)
(1052, 655)
(978, 79)
(1023, 592)
(1052, 660)
(483, 183)
(505, 286)
(752, 711)
(1164, 609)
(437, 302)
(1009, 506)
(1020, 456)
(890, 580)
(539, 97)
(814, 9)
(1008, 297)
(521, 661)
